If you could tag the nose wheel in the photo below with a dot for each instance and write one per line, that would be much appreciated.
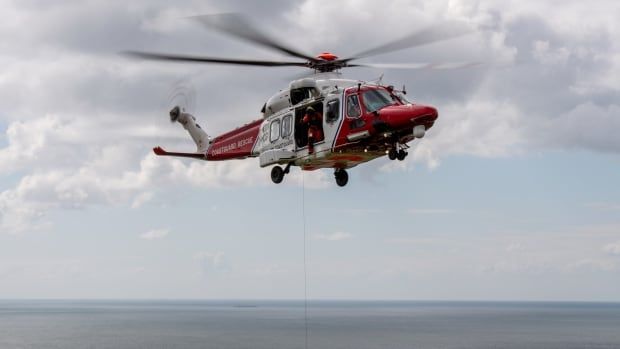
(392, 154)
(342, 177)
(395, 153)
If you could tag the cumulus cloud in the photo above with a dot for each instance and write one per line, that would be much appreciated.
(514, 247)
(336, 236)
(517, 267)
(545, 55)
(155, 234)
(586, 126)
(23, 207)
(211, 262)
(612, 249)
(591, 264)
(269, 270)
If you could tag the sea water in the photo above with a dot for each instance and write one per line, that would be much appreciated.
(331, 324)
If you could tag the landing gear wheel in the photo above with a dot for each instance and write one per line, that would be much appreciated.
(392, 154)
(277, 174)
(342, 177)
(402, 154)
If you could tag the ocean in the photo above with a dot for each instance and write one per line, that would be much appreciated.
(331, 324)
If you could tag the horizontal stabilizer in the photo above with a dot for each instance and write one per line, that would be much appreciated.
(161, 152)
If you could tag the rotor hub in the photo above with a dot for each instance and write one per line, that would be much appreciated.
(327, 56)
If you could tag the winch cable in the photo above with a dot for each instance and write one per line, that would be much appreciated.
(303, 218)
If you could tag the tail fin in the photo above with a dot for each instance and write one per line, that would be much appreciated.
(199, 136)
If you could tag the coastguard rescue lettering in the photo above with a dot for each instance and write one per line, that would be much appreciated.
(233, 146)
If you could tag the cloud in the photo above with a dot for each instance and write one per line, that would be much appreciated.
(415, 240)
(28, 202)
(570, 129)
(591, 264)
(514, 247)
(550, 266)
(517, 267)
(142, 198)
(212, 262)
(545, 55)
(25, 143)
(480, 127)
(612, 249)
(269, 270)
(155, 234)
(337, 236)
(47, 270)
(430, 210)
(69, 166)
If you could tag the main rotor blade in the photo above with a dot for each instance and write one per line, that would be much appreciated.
(201, 59)
(434, 33)
(431, 66)
(237, 25)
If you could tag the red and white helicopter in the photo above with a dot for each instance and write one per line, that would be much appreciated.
(321, 121)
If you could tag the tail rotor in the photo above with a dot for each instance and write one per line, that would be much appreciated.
(182, 98)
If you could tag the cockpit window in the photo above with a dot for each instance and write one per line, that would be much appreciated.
(377, 99)
(353, 107)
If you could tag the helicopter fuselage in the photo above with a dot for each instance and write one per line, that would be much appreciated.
(358, 122)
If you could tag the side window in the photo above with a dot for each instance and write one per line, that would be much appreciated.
(353, 106)
(275, 130)
(286, 126)
(265, 133)
(332, 110)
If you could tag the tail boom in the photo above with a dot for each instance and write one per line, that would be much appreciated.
(236, 144)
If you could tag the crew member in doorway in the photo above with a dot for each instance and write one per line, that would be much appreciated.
(314, 122)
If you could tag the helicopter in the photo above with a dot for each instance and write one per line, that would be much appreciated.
(322, 120)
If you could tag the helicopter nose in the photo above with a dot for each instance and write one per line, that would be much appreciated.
(425, 111)
(432, 111)
(423, 117)
(405, 116)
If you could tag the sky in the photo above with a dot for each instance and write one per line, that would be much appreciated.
(512, 195)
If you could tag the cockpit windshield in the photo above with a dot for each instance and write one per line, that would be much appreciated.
(400, 95)
(377, 99)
